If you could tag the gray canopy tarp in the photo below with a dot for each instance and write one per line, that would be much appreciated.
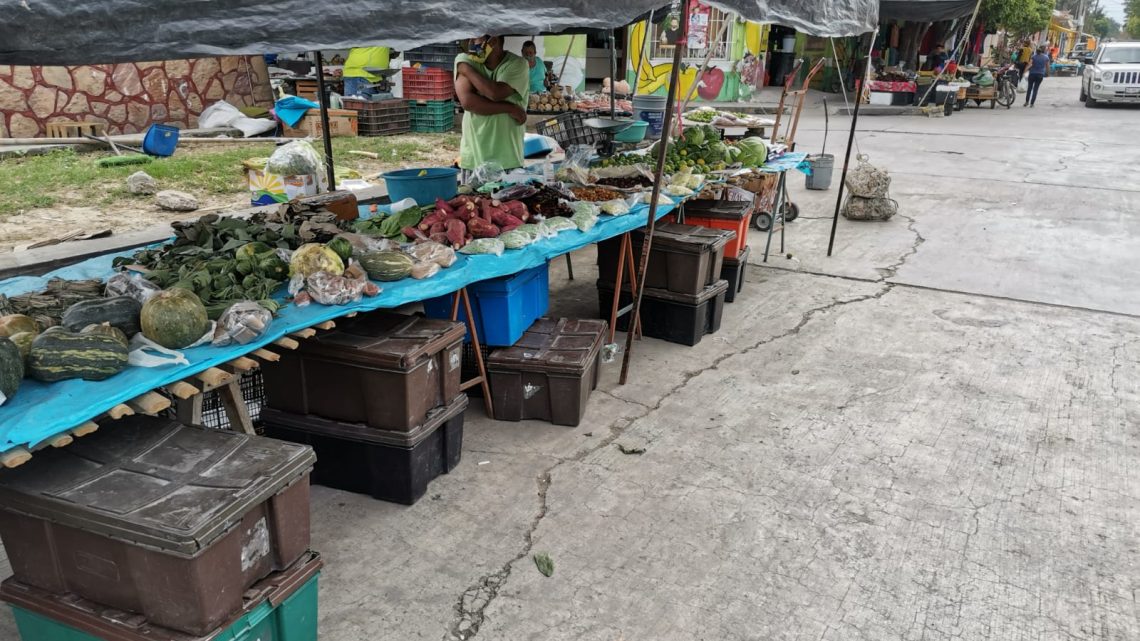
(74, 32)
(925, 10)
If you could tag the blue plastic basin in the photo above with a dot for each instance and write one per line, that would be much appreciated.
(635, 132)
(422, 185)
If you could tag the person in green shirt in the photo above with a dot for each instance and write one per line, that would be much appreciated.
(357, 81)
(492, 86)
(538, 82)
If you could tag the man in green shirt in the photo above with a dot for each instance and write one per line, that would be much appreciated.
(492, 85)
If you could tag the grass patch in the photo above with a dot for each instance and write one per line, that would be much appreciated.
(70, 178)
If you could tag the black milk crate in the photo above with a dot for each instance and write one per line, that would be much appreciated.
(440, 56)
(568, 129)
(214, 412)
(380, 117)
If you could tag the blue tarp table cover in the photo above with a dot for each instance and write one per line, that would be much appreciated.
(40, 411)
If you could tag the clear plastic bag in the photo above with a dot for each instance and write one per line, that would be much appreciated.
(365, 244)
(425, 269)
(585, 220)
(576, 168)
(488, 172)
(242, 323)
(585, 206)
(557, 225)
(478, 246)
(615, 207)
(330, 289)
(129, 284)
(518, 238)
(431, 251)
(295, 159)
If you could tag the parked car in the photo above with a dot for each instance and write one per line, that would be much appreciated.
(1113, 75)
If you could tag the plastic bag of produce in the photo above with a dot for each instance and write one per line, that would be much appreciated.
(425, 269)
(585, 206)
(430, 251)
(488, 172)
(294, 159)
(557, 225)
(331, 289)
(518, 238)
(615, 207)
(585, 220)
(314, 257)
(478, 246)
(576, 167)
(242, 323)
(679, 190)
(133, 285)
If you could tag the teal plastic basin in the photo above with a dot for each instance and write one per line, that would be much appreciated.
(635, 132)
(422, 185)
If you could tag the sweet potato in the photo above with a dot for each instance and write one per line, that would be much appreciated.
(413, 233)
(517, 209)
(438, 228)
(485, 209)
(441, 205)
(456, 233)
(480, 228)
(506, 228)
(436, 216)
(440, 238)
(503, 219)
(462, 201)
(464, 212)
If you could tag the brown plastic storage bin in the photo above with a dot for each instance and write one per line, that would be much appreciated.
(382, 369)
(685, 259)
(549, 373)
(172, 522)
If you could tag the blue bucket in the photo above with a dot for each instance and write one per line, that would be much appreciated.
(160, 140)
(422, 185)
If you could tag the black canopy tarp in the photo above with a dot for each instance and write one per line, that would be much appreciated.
(73, 32)
(925, 10)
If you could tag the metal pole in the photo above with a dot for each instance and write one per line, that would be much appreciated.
(850, 143)
(613, 74)
(323, 99)
(666, 127)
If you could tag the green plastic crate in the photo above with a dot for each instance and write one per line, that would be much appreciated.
(293, 619)
(432, 116)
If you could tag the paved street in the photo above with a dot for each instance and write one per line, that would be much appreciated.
(931, 435)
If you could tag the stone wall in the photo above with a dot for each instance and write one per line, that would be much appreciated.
(127, 97)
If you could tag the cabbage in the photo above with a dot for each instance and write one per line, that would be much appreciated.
(694, 136)
(315, 257)
(753, 152)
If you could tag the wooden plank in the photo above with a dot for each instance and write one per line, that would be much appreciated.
(85, 429)
(308, 332)
(150, 403)
(182, 389)
(287, 343)
(189, 410)
(243, 364)
(119, 411)
(267, 355)
(59, 440)
(214, 377)
(234, 405)
(350, 315)
(15, 457)
(326, 325)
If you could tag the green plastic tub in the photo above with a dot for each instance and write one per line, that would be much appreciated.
(283, 609)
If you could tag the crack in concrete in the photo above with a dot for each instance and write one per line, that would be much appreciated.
(472, 605)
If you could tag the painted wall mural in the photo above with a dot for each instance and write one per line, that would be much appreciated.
(721, 82)
(129, 97)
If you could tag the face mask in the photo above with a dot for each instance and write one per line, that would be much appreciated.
(479, 53)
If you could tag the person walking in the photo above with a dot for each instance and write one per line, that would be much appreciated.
(1023, 57)
(1038, 69)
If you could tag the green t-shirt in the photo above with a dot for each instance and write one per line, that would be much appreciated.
(496, 138)
(537, 76)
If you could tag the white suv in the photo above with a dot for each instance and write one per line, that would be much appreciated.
(1113, 75)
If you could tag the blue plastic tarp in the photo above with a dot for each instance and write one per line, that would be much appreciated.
(40, 411)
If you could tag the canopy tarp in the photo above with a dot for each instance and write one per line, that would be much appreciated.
(925, 10)
(74, 32)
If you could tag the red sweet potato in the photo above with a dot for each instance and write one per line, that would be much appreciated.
(517, 209)
(506, 228)
(436, 216)
(438, 228)
(503, 219)
(456, 233)
(485, 210)
(441, 205)
(480, 228)
(440, 238)
(413, 233)
(464, 212)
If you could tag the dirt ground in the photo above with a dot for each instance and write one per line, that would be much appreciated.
(134, 214)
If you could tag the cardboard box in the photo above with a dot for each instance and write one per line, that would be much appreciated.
(269, 189)
(342, 122)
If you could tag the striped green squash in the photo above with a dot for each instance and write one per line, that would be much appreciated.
(92, 354)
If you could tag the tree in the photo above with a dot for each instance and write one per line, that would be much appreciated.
(1020, 17)
(1132, 21)
(1101, 25)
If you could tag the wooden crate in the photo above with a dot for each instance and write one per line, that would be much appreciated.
(342, 122)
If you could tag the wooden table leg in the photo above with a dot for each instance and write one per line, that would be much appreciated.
(189, 410)
(482, 378)
(234, 404)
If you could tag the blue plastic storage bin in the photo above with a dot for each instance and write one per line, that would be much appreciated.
(422, 185)
(504, 307)
(160, 140)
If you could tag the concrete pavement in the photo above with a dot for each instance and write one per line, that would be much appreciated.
(930, 435)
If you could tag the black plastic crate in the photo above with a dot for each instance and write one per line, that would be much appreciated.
(733, 271)
(569, 129)
(214, 412)
(440, 56)
(386, 465)
(380, 117)
(470, 368)
(676, 318)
